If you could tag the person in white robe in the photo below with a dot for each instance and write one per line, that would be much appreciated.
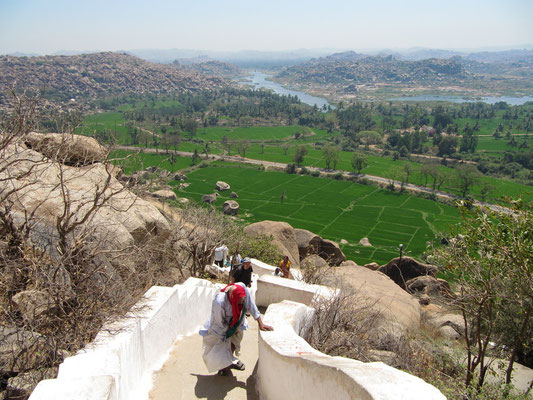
(223, 332)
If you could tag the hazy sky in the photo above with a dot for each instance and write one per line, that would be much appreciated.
(46, 26)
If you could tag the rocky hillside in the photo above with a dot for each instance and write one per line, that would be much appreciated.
(353, 68)
(86, 76)
(514, 67)
(211, 68)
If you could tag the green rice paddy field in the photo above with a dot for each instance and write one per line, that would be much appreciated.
(131, 162)
(332, 209)
(388, 168)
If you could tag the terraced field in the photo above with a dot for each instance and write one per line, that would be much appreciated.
(333, 209)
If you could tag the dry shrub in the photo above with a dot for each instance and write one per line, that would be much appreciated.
(195, 233)
(343, 326)
(319, 275)
(347, 326)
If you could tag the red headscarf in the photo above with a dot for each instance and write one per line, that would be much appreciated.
(234, 296)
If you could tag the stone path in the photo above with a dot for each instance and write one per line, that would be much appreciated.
(184, 375)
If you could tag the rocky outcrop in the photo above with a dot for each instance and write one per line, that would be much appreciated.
(400, 270)
(365, 242)
(374, 266)
(309, 243)
(22, 350)
(313, 261)
(283, 234)
(112, 215)
(209, 198)
(21, 386)
(349, 264)
(399, 310)
(164, 194)
(32, 303)
(331, 252)
(66, 148)
(221, 186)
(448, 324)
(426, 284)
(234, 195)
(180, 177)
(230, 207)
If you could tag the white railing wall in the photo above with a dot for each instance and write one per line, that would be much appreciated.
(289, 368)
(119, 363)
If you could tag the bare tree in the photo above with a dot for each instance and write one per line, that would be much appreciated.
(466, 176)
(242, 146)
(194, 237)
(62, 271)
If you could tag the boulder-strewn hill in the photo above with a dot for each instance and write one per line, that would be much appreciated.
(352, 68)
(513, 67)
(502, 57)
(211, 68)
(85, 76)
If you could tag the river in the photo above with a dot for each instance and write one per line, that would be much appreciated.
(258, 79)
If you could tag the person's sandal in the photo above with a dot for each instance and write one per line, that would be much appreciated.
(238, 365)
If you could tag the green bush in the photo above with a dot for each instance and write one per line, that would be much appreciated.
(290, 169)
(260, 247)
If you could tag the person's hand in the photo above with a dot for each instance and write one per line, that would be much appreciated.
(264, 327)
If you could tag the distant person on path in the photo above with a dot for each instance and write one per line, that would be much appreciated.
(221, 253)
(242, 272)
(223, 332)
(227, 262)
(284, 268)
(282, 197)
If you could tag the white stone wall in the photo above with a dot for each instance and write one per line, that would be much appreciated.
(119, 363)
(273, 289)
(289, 368)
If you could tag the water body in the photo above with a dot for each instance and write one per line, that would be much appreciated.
(258, 80)
(513, 101)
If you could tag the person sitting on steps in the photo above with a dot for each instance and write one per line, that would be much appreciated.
(284, 268)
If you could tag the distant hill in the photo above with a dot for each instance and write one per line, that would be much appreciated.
(424, 54)
(210, 67)
(346, 56)
(502, 57)
(354, 68)
(243, 58)
(512, 68)
(87, 76)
